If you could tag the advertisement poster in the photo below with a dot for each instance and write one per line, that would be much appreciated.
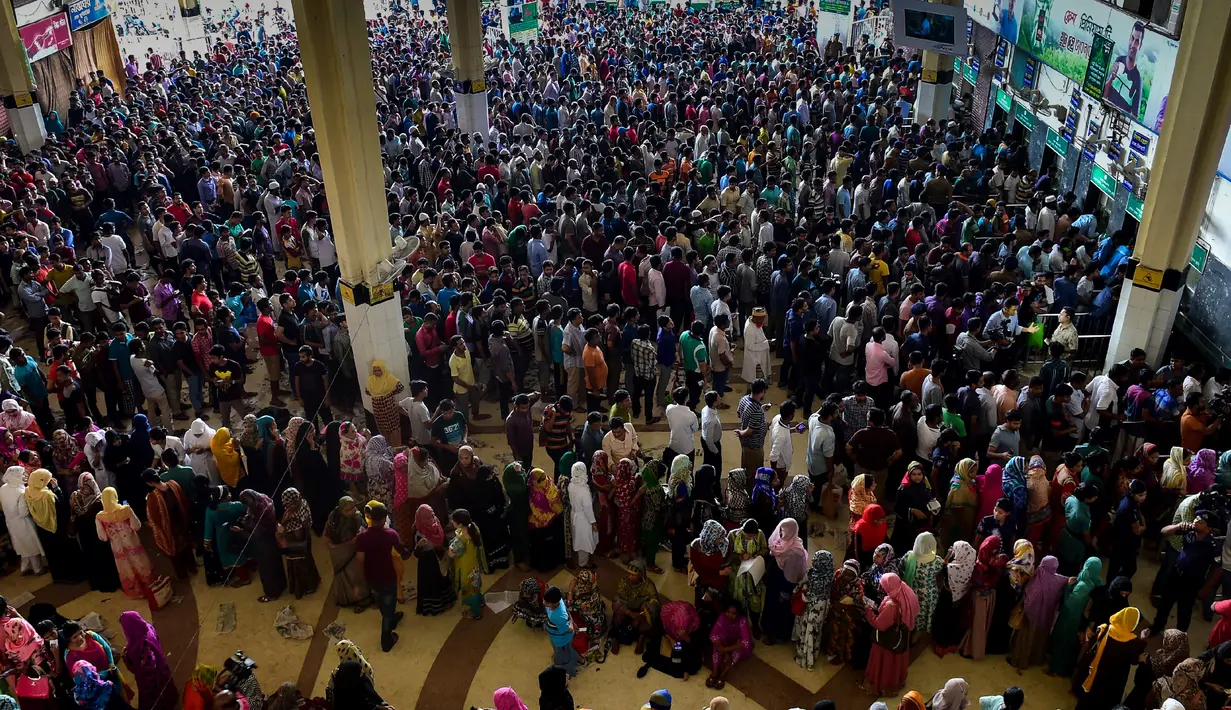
(46, 36)
(1096, 70)
(524, 22)
(1061, 34)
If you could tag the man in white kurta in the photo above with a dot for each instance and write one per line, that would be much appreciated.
(581, 504)
(20, 524)
(756, 347)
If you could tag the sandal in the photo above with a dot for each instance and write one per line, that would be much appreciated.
(264, 599)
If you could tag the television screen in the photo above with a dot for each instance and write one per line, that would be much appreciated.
(929, 26)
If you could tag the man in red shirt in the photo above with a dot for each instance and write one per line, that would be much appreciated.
(480, 259)
(374, 549)
(430, 347)
(677, 277)
(267, 340)
(179, 209)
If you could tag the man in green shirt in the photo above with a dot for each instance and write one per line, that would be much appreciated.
(179, 473)
(694, 356)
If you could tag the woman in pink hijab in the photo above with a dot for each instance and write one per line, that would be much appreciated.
(787, 567)
(990, 490)
(892, 622)
(507, 699)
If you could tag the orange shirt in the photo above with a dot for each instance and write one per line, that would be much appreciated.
(1192, 432)
(592, 357)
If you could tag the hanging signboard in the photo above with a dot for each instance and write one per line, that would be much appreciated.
(43, 38)
(1140, 144)
(524, 22)
(86, 12)
(1104, 181)
(1056, 142)
(1096, 70)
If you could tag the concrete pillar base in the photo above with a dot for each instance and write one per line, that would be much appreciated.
(933, 102)
(376, 334)
(27, 125)
(1144, 319)
(472, 113)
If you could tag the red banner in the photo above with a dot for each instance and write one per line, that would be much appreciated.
(47, 36)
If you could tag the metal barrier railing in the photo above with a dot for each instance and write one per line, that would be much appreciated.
(1093, 339)
(878, 28)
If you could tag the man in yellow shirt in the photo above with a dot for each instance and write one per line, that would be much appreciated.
(461, 369)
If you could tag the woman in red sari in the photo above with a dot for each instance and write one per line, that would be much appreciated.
(1065, 480)
(600, 476)
(628, 505)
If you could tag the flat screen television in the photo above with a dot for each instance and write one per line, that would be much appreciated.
(929, 26)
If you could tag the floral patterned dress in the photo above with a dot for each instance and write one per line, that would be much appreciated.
(927, 591)
(743, 589)
(131, 561)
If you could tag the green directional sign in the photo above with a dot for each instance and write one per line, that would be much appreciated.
(1025, 116)
(1004, 100)
(1056, 142)
(1104, 181)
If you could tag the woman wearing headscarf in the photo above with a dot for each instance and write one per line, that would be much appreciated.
(23, 532)
(583, 521)
(222, 544)
(991, 488)
(1201, 470)
(914, 506)
(1127, 531)
(634, 609)
(731, 639)
(170, 519)
(295, 537)
(1038, 501)
(546, 524)
(349, 586)
(14, 418)
(86, 503)
(1107, 600)
(417, 481)
(30, 657)
(92, 692)
(436, 592)
(747, 544)
(1116, 649)
(530, 606)
(883, 562)
(892, 620)
(517, 513)
(796, 495)
(475, 488)
(84, 645)
(226, 457)
(259, 525)
(845, 614)
(198, 443)
(1064, 645)
(118, 525)
(949, 622)
(1075, 538)
(553, 692)
(1009, 590)
(93, 449)
(384, 388)
(349, 682)
(653, 513)
(738, 500)
(817, 596)
(507, 699)
(600, 477)
(988, 570)
(378, 465)
(1160, 664)
(257, 442)
(676, 649)
(350, 459)
(680, 509)
(919, 570)
(764, 500)
(786, 567)
(868, 533)
(585, 603)
(50, 512)
(708, 557)
(1183, 686)
(628, 494)
(1013, 485)
(954, 696)
(706, 496)
(146, 660)
(117, 458)
(1040, 601)
(65, 452)
(469, 562)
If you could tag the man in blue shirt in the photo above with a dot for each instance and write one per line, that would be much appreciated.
(666, 356)
(560, 629)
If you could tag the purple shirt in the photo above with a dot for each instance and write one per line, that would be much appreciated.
(167, 301)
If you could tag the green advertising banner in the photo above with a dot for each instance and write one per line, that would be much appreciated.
(1104, 181)
(1062, 35)
(1025, 116)
(1004, 100)
(524, 27)
(837, 7)
(1056, 142)
(971, 73)
(698, 6)
(1096, 70)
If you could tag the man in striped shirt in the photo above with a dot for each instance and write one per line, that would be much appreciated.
(751, 431)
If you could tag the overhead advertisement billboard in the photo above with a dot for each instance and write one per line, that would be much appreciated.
(1062, 35)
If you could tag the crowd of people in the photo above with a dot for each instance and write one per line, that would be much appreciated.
(664, 196)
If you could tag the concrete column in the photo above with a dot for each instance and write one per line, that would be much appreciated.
(17, 85)
(936, 85)
(1198, 113)
(338, 70)
(470, 84)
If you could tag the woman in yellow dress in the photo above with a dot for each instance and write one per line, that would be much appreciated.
(226, 457)
(466, 549)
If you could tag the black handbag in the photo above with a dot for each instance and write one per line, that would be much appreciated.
(896, 639)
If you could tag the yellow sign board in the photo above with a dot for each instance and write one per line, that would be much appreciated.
(348, 293)
(1150, 278)
(22, 100)
(929, 76)
(478, 85)
(382, 292)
